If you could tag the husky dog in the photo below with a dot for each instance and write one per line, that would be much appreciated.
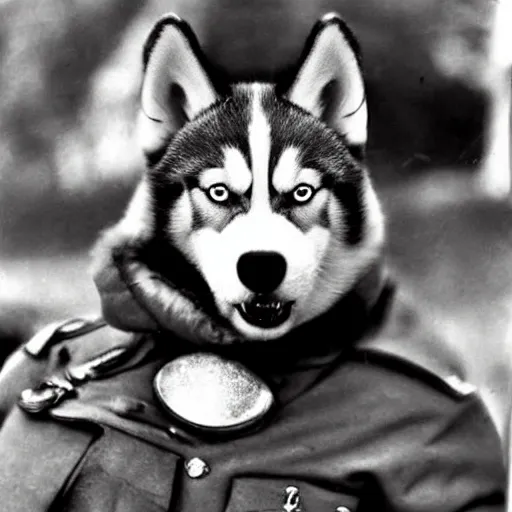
(260, 187)
(246, 275)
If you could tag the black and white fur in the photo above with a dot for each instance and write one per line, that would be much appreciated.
(261, 187)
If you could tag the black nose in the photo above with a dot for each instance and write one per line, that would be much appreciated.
(261, 271)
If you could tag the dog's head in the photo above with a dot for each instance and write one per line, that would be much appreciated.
(260, 186)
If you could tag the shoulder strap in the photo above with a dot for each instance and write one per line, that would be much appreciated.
(31, 363)
(108, 412)
(41, 343)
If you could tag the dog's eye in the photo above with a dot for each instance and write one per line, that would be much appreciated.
(218, 193)
(303, 193)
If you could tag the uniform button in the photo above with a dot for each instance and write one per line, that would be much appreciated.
(342, 509)
(196, 468)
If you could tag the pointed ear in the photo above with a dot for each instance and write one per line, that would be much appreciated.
(329, 82)
(175, 86)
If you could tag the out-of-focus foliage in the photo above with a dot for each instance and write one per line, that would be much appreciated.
(50, 56)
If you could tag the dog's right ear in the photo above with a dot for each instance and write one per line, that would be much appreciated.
(329, 83)
(175, 86)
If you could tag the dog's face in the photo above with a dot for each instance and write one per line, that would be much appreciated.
(263, 191)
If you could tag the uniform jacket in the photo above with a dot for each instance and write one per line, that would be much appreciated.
(354, 429)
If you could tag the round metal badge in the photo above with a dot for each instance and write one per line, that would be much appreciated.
(212, 394)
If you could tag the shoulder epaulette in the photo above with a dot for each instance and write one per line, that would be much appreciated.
(41, 343)
(446, 382)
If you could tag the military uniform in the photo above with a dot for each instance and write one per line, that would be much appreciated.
(353, 428)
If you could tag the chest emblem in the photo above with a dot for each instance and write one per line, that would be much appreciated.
(212, 394)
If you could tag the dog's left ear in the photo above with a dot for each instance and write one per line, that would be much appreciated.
(175, 87)
(329, 82)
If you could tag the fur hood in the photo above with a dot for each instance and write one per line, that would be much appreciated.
(136, 297)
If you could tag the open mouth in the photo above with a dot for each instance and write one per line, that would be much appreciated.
(264, 312)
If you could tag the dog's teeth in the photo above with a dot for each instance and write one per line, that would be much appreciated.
(276, 306)
(264, 313)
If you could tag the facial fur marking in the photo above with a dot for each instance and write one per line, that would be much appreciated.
(211, 176)
(311, 215)
(323, 217)
(198, 219)
(349, 195)
(208, 216)
(310, 176)
(259, 146)
(238, 174)
(286, 170)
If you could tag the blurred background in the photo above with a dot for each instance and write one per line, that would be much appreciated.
(438, 78)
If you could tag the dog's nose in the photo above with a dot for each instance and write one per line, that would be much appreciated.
(261, 271)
